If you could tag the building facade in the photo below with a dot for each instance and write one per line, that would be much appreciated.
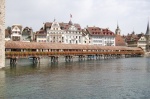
(16, 32)
(100, 36)
(66, 33)
(136, 40)
(40, 36)
(2, 33)
(27, 34)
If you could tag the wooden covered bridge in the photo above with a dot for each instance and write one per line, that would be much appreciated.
(15, 50)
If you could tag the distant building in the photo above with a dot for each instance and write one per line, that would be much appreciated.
(27, 34)
(119, 40)
(136, 40)
(118, 31)
(16, 32)
(67, 33)
(40, 36)
(100, 36)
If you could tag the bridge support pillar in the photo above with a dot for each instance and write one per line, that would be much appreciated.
(90, 57)
(54, 59)
(13, 61)
(68, 58)
(36, 60)
(81, 57)
(97, 57)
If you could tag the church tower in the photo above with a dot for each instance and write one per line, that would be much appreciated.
(147, 35)
(2, 33)
(118, 31)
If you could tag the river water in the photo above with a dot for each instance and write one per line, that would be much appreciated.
(126, 78)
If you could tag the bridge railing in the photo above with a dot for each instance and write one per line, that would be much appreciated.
(27, 54)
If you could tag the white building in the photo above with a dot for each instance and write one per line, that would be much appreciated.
(67, 33)
(16, 32)
(40, 36)
(54, 32)
(99, 36)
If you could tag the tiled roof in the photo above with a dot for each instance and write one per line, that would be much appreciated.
(63, 26)
(35, 45)
(19, 26)
(119, 41)
(132, 37)
(99, 31)
(41, 32)
(26, 31)
(48, 24)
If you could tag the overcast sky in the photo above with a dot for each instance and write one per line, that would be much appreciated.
(130, 14)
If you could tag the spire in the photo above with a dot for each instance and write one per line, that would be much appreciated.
(147, 31)
(54, 19)
(70, 22)
(70, 17)
(117, 25)
(133, 31)
(118, 31)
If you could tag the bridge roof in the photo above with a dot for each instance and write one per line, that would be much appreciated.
(37, 45)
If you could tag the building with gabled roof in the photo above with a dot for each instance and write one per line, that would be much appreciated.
(136, 40)
(120, 41)
(67, 33)
(40, 36)
(16, 32)
(27, 34)
(101, 36)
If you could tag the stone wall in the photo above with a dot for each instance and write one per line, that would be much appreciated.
(2, 33)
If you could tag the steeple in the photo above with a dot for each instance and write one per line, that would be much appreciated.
(147, 31)
(70, 22)
(117, 25)
(147, 35)
(118, 31)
